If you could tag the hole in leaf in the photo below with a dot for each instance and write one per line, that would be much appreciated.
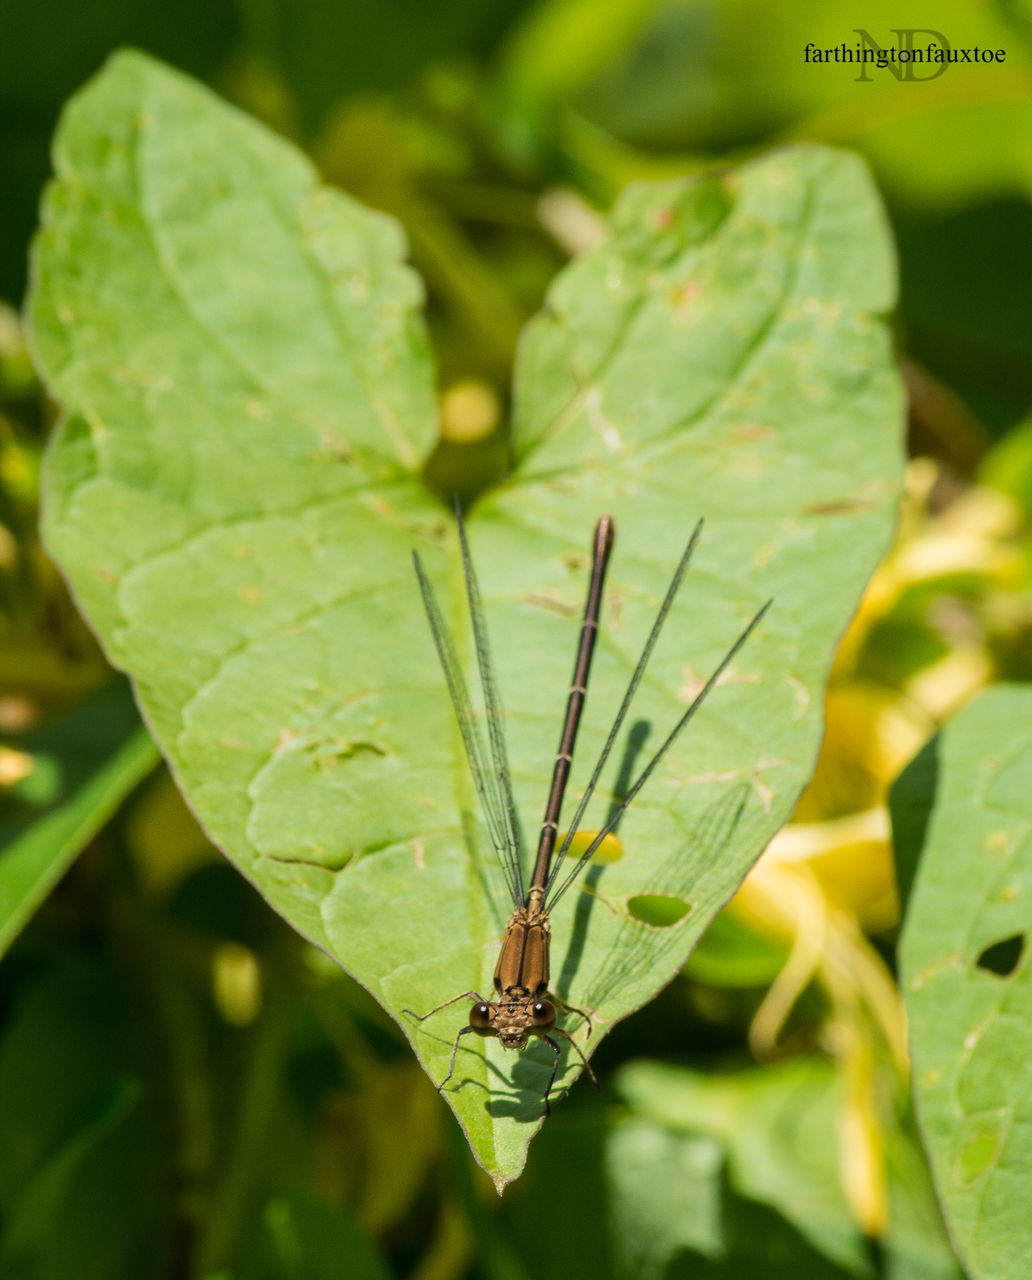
(1002, 957)
(658, 909)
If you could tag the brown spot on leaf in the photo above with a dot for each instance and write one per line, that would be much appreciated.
(839, 507)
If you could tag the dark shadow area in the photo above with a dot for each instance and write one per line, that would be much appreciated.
(526, 1102)
(962, 316)
(910, 807)
(573, 1213)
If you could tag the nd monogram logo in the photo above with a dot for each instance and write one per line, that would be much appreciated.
(909, 58)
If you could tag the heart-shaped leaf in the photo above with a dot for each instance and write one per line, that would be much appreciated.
(234, 496)
(965, 806)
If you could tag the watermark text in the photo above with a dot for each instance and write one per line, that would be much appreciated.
(909, 58)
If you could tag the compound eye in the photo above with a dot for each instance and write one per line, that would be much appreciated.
(542, 1015)
(480, 1019)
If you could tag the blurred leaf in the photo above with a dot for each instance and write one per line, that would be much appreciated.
(760, 1242)
(30, 1220)
(90, 760)
(776, 1128)
(563, 44)
(79, 1141)
(235, 496)
(730, 954)
(167, 843)
(666, 1196)
(310, 1240)
(969, 999)
(328, 51)
(394, 1119)
(58, 1048)
(1008, 465)
(721, 74)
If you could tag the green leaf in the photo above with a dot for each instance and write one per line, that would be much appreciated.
(235, 496)
(666, 1196)
(83, 766)
(1008, 464)
(966, 979)
(790, 1168)
(83, 1140)
(771, 1147)
(30, 1223)
(309, 1240)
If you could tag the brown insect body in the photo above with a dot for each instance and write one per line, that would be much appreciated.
(521, 975)
(524, 1006)
(521, 979)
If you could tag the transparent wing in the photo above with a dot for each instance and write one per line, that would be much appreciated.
(646, 773)
(492, 785)
(495, 712)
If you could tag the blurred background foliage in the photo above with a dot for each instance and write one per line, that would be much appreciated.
(186, 1088)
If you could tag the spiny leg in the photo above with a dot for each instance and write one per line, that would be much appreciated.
(572, 1008)
(555, 1068)
(466, 995)
(555, 1065)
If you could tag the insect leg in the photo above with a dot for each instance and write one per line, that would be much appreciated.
(555, 1067)
(587, 1065)
(454, 1051)
(466, 995)
(572, 1008)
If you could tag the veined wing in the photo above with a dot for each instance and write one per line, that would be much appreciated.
(489, 765)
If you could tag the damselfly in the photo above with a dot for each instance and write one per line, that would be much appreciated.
(523, 1005)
